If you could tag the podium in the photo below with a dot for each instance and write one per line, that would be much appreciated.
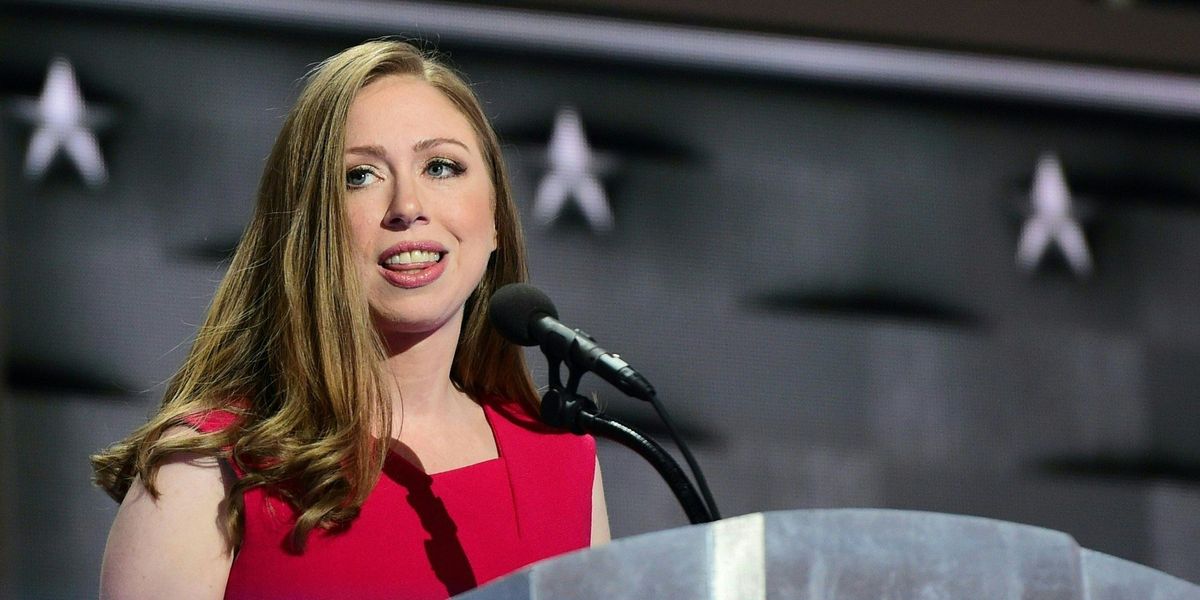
(841, 555)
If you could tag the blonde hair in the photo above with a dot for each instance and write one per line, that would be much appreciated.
(288, 347)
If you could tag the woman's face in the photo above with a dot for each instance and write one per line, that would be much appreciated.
(419, 201)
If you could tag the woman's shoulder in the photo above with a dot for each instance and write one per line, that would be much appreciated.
(513, 410)
(551, 473)
(518, 425)
(520, 414)
(179, 522)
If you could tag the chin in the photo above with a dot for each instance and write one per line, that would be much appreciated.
(390, 322)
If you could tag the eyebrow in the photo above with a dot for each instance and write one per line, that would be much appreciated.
(371, 150)
(431, 142)
(380, 152)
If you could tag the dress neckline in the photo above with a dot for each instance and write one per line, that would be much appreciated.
(395, 458)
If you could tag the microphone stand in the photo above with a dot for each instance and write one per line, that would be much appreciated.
(564, 408)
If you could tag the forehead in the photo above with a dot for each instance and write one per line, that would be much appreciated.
(404, 108)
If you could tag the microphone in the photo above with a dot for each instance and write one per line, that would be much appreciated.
(525, 316)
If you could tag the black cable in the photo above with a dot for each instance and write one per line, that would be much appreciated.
(687, 455)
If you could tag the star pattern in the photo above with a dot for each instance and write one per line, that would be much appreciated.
(62, 123)
(572, 175)
(1052, 221)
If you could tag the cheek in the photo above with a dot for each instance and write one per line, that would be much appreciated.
(478, 229)
(360, 230)
(480, 218)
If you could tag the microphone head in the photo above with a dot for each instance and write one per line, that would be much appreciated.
(514, 308)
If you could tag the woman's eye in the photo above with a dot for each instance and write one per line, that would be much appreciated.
(442, 168)
(360, 177)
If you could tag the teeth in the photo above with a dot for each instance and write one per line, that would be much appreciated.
(413, 256)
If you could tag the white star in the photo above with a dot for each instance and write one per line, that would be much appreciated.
(1052, 222)
(61, 121)
(572, 174)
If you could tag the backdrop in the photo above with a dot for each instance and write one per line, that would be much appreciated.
(818, 269)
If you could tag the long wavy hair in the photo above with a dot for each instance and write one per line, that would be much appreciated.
(288, 346)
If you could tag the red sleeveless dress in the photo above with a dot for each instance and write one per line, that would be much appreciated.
(429, 536)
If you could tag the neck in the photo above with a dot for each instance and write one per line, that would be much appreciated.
(420, 368)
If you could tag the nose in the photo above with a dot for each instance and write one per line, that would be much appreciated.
(405, 209)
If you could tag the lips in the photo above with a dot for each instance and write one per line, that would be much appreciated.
(413, 264)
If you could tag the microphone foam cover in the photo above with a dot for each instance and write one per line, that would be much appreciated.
(514, 307)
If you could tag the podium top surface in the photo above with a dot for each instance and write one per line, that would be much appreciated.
(844, 554)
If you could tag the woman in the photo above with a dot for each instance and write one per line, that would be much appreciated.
(347, 423)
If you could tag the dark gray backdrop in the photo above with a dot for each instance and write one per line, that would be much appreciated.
(819, 278)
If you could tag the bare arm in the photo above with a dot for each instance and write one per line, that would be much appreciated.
(173, 547)
(600, 532)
